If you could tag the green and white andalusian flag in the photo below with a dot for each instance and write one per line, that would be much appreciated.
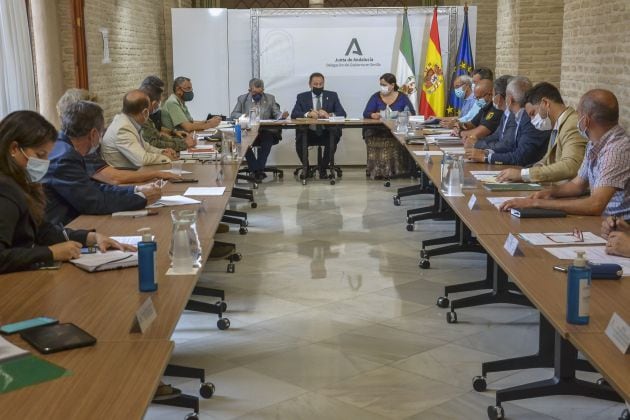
(405, 68)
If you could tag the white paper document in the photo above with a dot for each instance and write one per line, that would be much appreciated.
(562, 238)
(497, 201)
(205, 191)
(454, 150)
(128, 240)
(174, 172)
(428, 152)
(595, 254)
(173, 200)
(9, 350)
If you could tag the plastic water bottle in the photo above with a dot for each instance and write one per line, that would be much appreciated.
(578, 291)
(147, 262)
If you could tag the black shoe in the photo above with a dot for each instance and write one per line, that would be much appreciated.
(259, 176)
(323, 174)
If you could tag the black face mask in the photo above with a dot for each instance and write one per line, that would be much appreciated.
(188, 96)
(318, 91)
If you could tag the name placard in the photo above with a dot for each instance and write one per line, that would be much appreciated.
(472, 202)
(618, 331)
(145, 315)
(511, 245)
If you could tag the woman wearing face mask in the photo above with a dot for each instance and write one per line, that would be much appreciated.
(386, 157)
(27, 241)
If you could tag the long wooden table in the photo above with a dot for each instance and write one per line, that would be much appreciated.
(118, 376)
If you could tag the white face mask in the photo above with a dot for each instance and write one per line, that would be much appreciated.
(36, 168)
(540, 123)
(385, 90)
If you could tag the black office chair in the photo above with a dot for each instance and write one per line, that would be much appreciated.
(312, 170)
(273, 170)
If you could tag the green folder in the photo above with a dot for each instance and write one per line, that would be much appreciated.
(27, 370)
(512, 186)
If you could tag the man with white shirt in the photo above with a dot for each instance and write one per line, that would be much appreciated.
(566, 148)
(123, 146)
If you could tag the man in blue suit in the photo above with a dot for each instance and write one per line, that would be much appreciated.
(527, 145)
(69, 189)
(317, 103)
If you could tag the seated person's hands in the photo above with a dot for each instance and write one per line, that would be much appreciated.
(610, 224)
(476, 155)
(510, 175)
(456, 132)
(213, 122)
(618, 244)
(469, 141)
(152, 192)
(312, 114)
(170, 153)
(518, 203)
(190, 141)
(284, 115)
(450, 122)
(375, 115)
(66, 251)
(180, 134)
(322, 114)
(543, 194)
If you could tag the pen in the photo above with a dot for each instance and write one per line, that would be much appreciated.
(65, 234)
(146, 213)
(614, 220)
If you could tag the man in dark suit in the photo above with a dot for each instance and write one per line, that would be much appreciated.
(527, 145)
(317, 103)
(69, 189)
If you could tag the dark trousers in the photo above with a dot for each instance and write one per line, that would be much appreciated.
(263, 142)
(321, 137)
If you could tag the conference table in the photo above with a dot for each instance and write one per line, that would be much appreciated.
(117, 377)
(531, 269)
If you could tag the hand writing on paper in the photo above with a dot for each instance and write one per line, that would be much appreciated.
(510, 175)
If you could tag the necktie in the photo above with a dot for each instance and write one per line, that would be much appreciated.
(318, 103)
(552, 139)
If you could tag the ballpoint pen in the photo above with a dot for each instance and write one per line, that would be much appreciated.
(614, 221)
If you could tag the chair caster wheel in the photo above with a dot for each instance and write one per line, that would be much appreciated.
(281, 175)
(424, 264)
(222, 305)
(495, 412)
(479, 383)
(451, 317)
(396, 200)
(245, 223)
(237, 257)
(206, 390)
(255, 186)
(409, 228)
(303, 182)
(332, 182)
(223, 324)
(443, 302)
(423, 253)
(243, 231)
(191, 416)
(625, 415)
(254, 205)
(388, 184)
(602, 382)
(230, 268)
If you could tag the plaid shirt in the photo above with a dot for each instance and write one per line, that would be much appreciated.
(607, 164)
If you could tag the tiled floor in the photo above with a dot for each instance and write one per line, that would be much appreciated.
(331, 318)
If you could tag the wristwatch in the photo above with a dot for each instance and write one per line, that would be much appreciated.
(486, 155)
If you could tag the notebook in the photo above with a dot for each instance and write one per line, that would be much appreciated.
(102, 261)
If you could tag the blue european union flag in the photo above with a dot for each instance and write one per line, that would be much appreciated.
(463, 65)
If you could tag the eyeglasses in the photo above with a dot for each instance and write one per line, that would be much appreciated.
(563, 238)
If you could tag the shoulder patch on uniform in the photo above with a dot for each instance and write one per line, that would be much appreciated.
(489, 115)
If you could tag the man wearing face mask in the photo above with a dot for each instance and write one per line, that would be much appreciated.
(268, 109)
(69, 189)
(503, 137)
(123, 146)
(565, 150)
(527, 145)
(464, 91)
(604, 174)
(175, 115)
(152, 135)
(317, 103)
(487, 119)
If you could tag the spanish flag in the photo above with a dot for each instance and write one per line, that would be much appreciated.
(433, 97)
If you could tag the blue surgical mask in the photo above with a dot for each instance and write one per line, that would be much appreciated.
(188, 96)
(36, 168)
(583, 133)
(459, 92)
(257, 97)
(480, 102)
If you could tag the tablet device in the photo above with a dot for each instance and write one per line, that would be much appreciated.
(59, 337)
